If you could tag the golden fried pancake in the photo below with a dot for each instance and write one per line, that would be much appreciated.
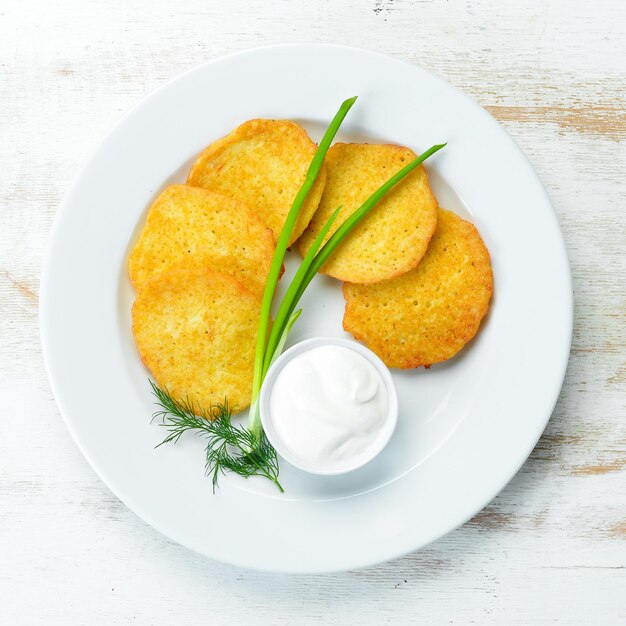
(393, 238)
(262, 163)
(195, 331)
(428, 314)
(190, 227)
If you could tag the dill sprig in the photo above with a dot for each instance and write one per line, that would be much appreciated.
(229, 447)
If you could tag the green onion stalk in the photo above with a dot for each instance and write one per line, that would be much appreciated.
(254, 422)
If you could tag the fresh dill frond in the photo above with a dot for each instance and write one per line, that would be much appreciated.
(229, 447)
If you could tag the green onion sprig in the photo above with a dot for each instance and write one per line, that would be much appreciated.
(254, 421)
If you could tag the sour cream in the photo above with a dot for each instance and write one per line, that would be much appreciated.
(330, 407)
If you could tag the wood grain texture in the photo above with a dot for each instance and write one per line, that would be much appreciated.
(551, 547)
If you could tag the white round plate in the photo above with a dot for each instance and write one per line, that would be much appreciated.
(465, 427)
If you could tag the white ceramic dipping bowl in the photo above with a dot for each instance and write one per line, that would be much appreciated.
(265, 404)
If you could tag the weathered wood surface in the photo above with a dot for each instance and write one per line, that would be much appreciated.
(552, 546)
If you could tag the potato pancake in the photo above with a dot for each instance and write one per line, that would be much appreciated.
(195, 331)
(262, 163)
(393, 238)
(190, 227)
(428, 314)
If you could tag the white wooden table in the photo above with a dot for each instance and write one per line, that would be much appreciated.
(551, 547)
